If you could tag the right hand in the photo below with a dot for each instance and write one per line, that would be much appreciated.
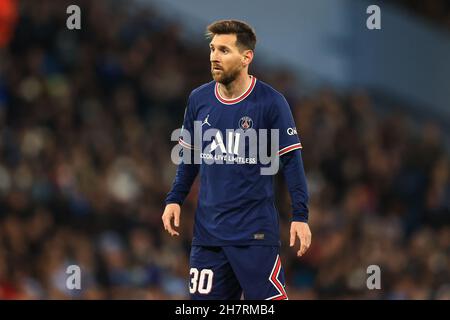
(172, 211)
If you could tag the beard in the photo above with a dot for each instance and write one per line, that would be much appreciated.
(225, 77)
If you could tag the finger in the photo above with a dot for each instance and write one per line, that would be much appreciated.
(173, 232)
(302, 247)
(308, 242)
(164, 220)
(177, 219)
(167, 225)
(292, 240)
(170, 229)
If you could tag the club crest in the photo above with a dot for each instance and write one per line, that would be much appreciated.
(245, 123)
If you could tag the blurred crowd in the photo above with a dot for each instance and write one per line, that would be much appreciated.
(85, 124)
(435, 11)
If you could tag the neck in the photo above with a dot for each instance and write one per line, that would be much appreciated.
(235, 88)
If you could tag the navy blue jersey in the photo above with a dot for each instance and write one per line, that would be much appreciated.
(236, 202)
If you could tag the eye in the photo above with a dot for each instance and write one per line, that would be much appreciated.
(225, 50)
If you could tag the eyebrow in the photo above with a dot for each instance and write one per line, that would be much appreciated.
(220, 46)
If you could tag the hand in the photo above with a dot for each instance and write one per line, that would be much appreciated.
(172, 210)
(301, 230)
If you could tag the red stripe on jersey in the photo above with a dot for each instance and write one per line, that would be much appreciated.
(290, 148)
(238, 99)
(185, 144)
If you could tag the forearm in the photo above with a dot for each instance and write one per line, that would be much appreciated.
(294, 174)
(183, 181)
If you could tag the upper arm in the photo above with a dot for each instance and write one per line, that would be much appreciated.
(282, 119)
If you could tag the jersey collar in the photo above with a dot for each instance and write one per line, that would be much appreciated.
(238, 99)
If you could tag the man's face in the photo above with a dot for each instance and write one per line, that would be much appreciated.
(226, 58)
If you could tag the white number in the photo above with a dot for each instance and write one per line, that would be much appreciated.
(201, 288)
(204, 287)
(194, 278)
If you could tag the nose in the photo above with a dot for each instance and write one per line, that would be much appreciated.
(213, 56)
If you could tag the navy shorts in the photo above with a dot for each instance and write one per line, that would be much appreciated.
(232, 272)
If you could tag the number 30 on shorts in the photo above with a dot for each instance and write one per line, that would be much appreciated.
(201, 282)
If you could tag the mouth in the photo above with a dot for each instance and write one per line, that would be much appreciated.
(217, 68)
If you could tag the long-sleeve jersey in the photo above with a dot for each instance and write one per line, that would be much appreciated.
(236, 146)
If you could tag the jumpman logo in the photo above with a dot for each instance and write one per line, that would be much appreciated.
(206, 121)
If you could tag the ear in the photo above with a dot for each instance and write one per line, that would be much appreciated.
(247, 57)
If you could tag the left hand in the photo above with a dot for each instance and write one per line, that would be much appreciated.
(300, 230)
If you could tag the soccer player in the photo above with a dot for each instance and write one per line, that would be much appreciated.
(236, 243)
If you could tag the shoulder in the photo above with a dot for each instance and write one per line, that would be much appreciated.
(274, 98)
(203, 90)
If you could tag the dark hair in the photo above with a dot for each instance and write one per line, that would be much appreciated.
(245, 35)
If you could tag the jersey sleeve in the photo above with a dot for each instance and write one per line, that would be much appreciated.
(182, 183)
(290, 155)
(283, 120)
(294, 174)
(186, 171)
(186, 139)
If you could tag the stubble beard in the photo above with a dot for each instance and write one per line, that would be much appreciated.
(225, 78)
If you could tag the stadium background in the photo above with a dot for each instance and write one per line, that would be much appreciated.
(85, 124)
